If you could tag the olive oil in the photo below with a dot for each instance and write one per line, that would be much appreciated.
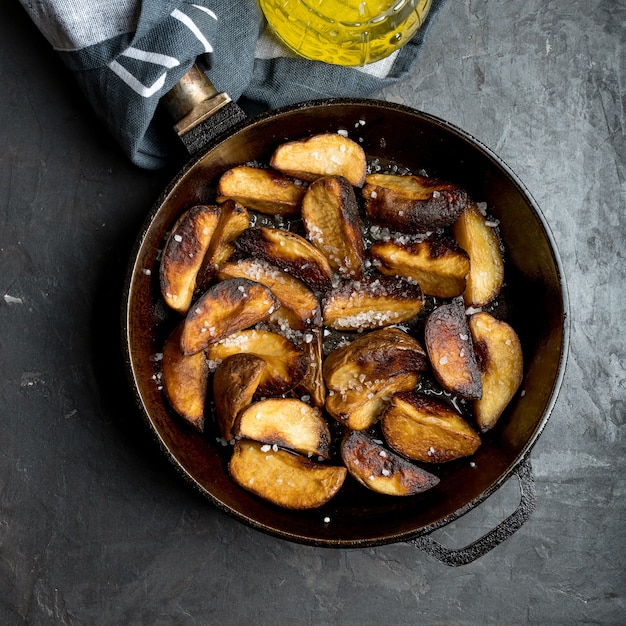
(345, 32)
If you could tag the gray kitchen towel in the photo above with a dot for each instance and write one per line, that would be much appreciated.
(126, 54)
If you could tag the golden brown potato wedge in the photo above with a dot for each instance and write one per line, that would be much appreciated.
(501, 364)
(327, 154)
(235, 382)
(263, 190)
(481, 242)
(412, 204)
(382, 470)
(451, 352)
(225, 308)
(286, 362)
(287, 423)
(284, 478)
(333, 224)
(373, 356)
(428, 430)
(312, 387)
(373, 302)
(234, 219)
(185, 380)
(184, 253)
(361, 407)
(438, 264)
(299, 307)
(289, 252)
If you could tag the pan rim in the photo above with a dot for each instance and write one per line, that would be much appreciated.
(390, 538)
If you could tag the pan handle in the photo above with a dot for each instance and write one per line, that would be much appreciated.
(491, 539)
(201, 112)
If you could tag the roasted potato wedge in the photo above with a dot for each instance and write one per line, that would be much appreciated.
(428, 430)
(234, 219)
(299, 307)
(286, 362)
(183, 255)
(185, 380)
(438, 264)
(481, 242)
(289, 252)
(327, 154)
(225, 308)
(287, 423)
(373, 302)
(361, 407)
(412, 204)
(333, 224)
(312, 386)
(284, 478)
(235, 382)
(501, 364)
(373, 356)
(382, 470)
(263, 190)
(451, 352)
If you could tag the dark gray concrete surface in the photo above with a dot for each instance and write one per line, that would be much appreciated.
(95, 527)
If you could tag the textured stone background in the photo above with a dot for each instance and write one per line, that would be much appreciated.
(95, 528)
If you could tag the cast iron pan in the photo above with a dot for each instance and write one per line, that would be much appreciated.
(537, 309)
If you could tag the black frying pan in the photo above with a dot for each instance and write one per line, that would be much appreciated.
(538, 311)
